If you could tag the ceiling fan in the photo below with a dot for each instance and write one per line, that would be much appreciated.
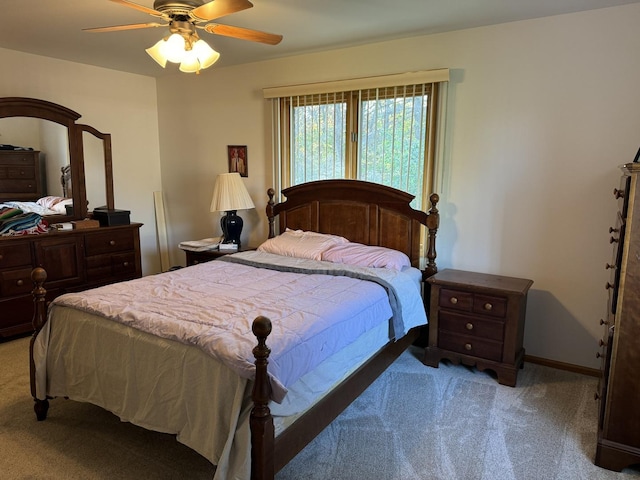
(183, 17)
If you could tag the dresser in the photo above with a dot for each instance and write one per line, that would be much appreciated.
(478, 319)
(21, 175)
(74, 260)
(619, 387)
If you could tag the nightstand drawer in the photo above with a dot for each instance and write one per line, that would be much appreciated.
(471, 326)
(468, 345)
(456, 299)
(489, 305)
(473, 302)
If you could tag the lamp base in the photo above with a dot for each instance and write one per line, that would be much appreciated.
(231, 225)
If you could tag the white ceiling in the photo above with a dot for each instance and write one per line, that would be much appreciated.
(54, 27)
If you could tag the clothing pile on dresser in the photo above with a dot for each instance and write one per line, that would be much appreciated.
(14, 221)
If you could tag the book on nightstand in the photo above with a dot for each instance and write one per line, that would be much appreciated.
(200, 245)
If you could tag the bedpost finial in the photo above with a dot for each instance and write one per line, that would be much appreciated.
(39, 276)
(434, 199)
(261, 327)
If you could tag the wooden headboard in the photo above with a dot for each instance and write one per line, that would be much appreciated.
(360, 211)
(65, 180)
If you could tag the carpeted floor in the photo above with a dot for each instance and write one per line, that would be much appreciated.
(415, 422)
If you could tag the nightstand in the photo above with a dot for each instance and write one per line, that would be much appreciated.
(478, 320)
(193, 258)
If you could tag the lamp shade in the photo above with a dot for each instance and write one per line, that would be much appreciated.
(229, 193)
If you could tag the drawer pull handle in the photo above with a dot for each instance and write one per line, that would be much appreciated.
(1, 257)
(112, 242)
(613, 240)
(488, 306)
(609, 265)
(613, 230)
(598, 355)
(126, 264)
(596, 396)
(453, 300)
(603, 322)
(608, 286)
(618, 193)
(469, 326)
(601, 343)
(195, 262)
(20, 283)
(467, 346)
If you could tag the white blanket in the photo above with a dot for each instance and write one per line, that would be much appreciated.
(313, 315)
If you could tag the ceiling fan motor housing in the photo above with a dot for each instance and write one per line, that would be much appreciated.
(173, 7)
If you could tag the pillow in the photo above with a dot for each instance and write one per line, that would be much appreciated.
(301, 244)
(366, 256)
(49, 201)
(60, 207)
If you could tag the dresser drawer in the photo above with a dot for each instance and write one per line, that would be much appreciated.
(18, 186)
(21, 173)
(15, 255)
(121, 266)
(8, 158)
(15, 282)
(108, 242)
(469, 345)
(471, 326)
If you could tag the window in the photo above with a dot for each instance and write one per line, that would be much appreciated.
(382, 131)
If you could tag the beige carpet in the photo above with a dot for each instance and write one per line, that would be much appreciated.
(415, 422)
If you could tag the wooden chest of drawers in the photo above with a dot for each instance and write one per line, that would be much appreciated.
(21, 176)
(619, 390)
(478, 319)
(74, 260)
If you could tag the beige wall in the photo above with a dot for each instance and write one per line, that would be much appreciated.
(121, 104)
(541, 113)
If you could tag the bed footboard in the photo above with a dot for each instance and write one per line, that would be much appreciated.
(39, 276)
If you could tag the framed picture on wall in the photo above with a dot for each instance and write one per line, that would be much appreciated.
(238, 159)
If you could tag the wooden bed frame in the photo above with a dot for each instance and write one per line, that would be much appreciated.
(362, 212)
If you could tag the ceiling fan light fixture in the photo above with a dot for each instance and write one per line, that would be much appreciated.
(174, 48)
(200, 56)
(155, 52)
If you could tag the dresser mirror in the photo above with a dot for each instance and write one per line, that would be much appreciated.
(74, 162)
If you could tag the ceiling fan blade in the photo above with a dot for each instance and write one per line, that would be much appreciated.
(219, 8)
(117, 28)
(140, 8)
(243, 33)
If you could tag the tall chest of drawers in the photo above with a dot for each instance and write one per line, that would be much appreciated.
(478, 319)
(21, 176)
(619, 387)
(74, 260)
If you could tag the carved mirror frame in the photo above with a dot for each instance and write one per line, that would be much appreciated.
(35, 108)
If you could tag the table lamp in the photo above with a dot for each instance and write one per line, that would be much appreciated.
(230, 195)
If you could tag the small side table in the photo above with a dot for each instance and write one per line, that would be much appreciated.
(478, 320)
(193, 258)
